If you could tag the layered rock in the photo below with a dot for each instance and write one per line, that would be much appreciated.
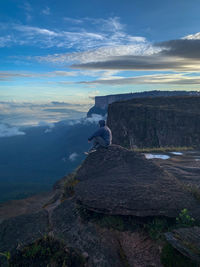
(102, 102)
(156, 122)
(186, 241)
(118, 181)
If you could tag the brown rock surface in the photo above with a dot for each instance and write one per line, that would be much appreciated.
(121, 182)
(140, 250)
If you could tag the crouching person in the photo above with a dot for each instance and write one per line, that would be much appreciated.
(101, 138)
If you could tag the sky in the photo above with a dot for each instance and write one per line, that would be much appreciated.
(55, 56)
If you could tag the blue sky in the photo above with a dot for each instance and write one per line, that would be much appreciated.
(70, 51)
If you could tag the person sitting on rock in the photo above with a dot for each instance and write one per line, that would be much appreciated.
(101, 138)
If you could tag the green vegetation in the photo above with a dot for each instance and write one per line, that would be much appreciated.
(170, 257)
(162, 149)
(6, 255)
(158, 226)
(184, 219)
(47, 252)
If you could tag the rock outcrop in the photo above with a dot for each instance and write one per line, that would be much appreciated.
(118, 181)
(186, 241)
(156, 122)
(111, 184)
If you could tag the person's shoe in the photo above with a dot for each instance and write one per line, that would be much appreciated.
(90, 151)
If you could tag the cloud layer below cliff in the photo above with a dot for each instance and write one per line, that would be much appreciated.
(26, 113)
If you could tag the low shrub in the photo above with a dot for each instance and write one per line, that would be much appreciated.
(184, 219)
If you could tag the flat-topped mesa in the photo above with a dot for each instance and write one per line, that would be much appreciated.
(102, 102)
(118, 181)
(156, 122)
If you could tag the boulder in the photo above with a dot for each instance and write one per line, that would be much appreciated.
(186, 241)
(118, 181)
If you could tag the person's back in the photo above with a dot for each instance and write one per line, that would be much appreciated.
(106, 134)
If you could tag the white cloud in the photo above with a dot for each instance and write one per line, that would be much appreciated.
(18, 113)
(94, 93)
(174, 78)
(29, 30)
(195, 36)
(103, 53)
(73, 156)
(28, 10)
(26, 6)
(47, 124)
(103, 32)
(8, 75)
(72, 20)
(46, 11)
(8, 131)
(5, 40)
(95, 118)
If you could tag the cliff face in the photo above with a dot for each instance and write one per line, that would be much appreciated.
(156, 122)
(102, 102)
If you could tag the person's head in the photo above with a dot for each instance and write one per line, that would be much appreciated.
(102, 123)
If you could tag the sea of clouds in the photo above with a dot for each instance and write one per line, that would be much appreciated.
(8, 131)
(14, 116)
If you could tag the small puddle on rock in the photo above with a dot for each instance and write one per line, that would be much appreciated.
(156, 156)
(177, 153)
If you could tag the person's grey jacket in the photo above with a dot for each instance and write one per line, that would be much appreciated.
(104, 132)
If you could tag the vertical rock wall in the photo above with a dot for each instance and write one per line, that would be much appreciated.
(156, 122)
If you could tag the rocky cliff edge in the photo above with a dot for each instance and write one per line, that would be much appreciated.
(99, 214)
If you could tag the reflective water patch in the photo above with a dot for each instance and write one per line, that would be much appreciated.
(176, 153)
(156, 156)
